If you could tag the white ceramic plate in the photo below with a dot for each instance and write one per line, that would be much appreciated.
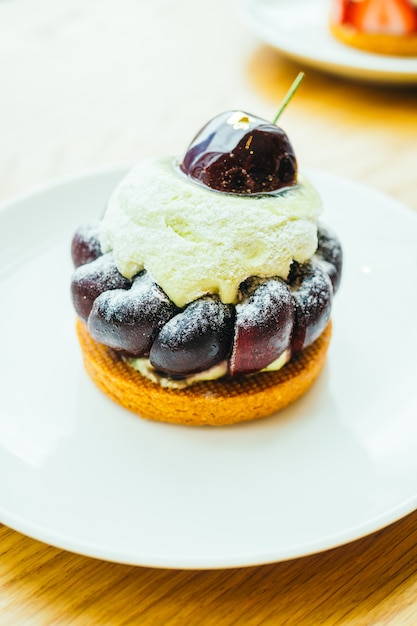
(81, 473)
(299, 29)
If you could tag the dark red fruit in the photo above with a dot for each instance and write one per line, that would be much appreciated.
(194, 340)
(312, 292)
(240, 153)
(264, 324)
(129, 320)
(85, 245)
(329, 255)
(92, 279)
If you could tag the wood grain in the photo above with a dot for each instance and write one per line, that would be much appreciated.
(86, 85)
(371, 581)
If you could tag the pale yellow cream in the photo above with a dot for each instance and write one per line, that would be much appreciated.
(195, 241)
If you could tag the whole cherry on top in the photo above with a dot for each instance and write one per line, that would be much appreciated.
(240, 153)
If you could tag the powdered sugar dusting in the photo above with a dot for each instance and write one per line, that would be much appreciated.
(85, 245)
(205, 315)
(329, 254)
(313, 294)
(144, 300)
(90, 233)
(103, 271)
(263, 298)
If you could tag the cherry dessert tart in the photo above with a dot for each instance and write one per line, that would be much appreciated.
(211, 360)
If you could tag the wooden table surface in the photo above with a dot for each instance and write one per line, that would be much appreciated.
(92, 84)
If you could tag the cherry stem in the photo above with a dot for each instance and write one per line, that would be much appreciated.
(289, 96)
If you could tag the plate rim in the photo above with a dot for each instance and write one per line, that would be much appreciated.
(357, 67)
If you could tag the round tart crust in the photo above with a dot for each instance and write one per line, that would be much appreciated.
(379, 43)
(216, 403)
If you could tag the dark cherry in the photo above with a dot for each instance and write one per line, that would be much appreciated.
(329, 255)
(129, 320)
(92, 279)
(312, 292)
(194, 340)
(240, 153)
(85, 244)
(264, 324)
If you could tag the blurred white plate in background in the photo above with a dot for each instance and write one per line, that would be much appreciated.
(299, 29)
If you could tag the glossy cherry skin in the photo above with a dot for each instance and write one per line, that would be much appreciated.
(329, 255)
(92, 279)
(129, 320)
(264, 324)
(240, 153)
(85, 244)
(196, 339)
(312, 292)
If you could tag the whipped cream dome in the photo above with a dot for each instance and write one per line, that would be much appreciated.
(195, 241)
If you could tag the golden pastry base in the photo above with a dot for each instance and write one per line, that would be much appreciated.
(216, 403)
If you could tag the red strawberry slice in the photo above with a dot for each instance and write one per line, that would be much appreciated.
(393, 17)
(339, 11)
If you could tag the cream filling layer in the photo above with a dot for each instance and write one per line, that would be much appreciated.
(144, 367)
